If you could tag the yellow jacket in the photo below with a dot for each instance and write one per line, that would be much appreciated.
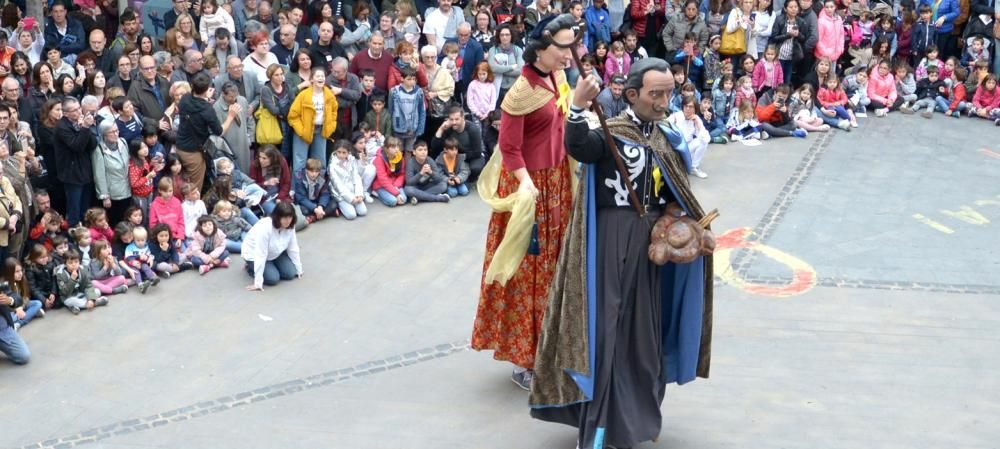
(302, 114)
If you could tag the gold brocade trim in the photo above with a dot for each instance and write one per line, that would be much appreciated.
(523, 98)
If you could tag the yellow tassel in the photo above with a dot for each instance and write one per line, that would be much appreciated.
(563, 102)
(657, 181)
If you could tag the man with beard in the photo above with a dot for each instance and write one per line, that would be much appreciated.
(127, 34)
(618, 327)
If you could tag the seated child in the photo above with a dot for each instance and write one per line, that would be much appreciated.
(62, 245)
(744, 91)
(244, 193)
(123, 237)
(957, 100)
(106, 273)
(804, 113)
(40, 270)
(724, 98)
(312, 192)
(743, 125)
(208, 247)
(231, 224)
(424, 179)
(25, 306)
(390, 173)
(81, 242)
(833, 102)
(856, 88)
(773, 113)
(346, 184)
(364, 151)
(166, 208)
(928, 90)
(193, 208)
(140, 259)
(166, 259)
(454, 168)
(986, 101)
(51, 225)
(75, 288)
(715, 126)
(96, 220)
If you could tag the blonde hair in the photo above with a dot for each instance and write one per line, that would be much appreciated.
(223, 205)
(139, 232)
(746, 111)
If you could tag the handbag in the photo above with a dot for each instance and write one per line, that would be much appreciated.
(268, 128)
(734, 43)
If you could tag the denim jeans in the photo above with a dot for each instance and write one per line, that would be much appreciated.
(197, 261)
(277, 270)
(286, 143)
(302, 150)
(12, 345)
(389, 199)
(30, 310)
(77, 201)
(428, 194)
(842, 113)
(352, 211)
(459, 190)
(248, 215)
(235, 246)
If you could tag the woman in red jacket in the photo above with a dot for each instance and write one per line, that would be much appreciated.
(270, 171)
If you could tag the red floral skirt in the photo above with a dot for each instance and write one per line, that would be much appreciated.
(509, 318)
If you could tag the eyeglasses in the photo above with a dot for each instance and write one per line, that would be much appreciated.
(147, 69)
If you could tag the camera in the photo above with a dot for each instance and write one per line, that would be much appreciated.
(5, 287)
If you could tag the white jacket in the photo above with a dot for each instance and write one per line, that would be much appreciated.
(210, 22)
(264, 243)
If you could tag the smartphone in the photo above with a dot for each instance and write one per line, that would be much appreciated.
(753, 16)
(29, 23)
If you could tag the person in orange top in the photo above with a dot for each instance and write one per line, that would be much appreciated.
(313, 117)
(509, 317)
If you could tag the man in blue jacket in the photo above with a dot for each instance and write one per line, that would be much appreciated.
(470, 52)
(66, 32)
(598, 24)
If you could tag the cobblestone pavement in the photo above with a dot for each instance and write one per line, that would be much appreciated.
(857, 306)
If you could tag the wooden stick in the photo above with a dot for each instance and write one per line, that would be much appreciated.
(608, 140)
(707, 219)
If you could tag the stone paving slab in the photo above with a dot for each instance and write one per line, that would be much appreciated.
(853, 219)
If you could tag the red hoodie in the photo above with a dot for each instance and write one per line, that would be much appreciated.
(958, 94)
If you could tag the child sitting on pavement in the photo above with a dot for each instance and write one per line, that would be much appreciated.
(106, 273)
(424, 180)
(312, 192)
(454, 168)
(208, 247)
(345, 182)
(231, 224)
(75, 287)
(140, 259)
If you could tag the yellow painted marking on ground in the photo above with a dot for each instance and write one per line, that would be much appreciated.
(933, 224)
(968, 215)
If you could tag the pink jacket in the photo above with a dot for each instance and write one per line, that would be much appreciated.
(760, 78)
(612, 66)
(481, 98)
(986, 99)
(197, 246)
(882, 89)
(831, 36)
(169, 213)
(107, 234)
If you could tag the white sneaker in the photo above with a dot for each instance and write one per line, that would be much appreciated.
(697, 172)
(882, 112)
(369, 199)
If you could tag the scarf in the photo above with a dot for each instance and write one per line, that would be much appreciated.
(394, 166)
